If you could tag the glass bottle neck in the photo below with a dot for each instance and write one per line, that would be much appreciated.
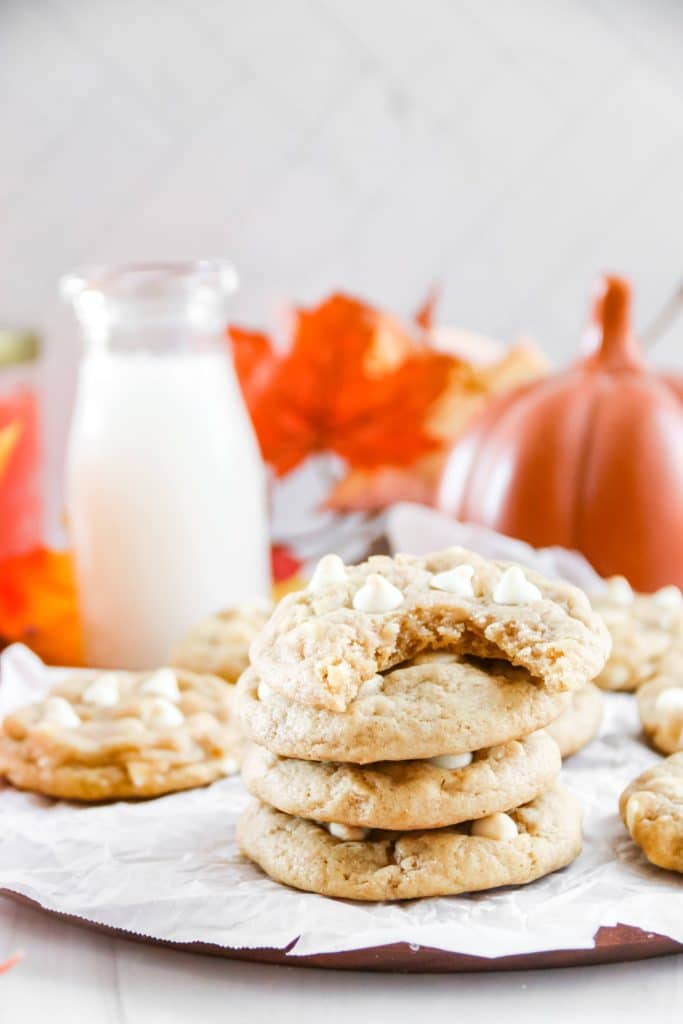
(153, 308)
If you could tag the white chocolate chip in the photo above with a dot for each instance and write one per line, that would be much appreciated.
(230, 766)
(103, 691)
(514, 588)
(159, 713)
(377, 595)
(634, 811)
(348, 832)
(455, 581)
(162, 683)
(330, 569)
(137, 773)
(451, 762)
(669, 597)
(264, 692)
(371, 687)
(617, 674)
(669, 701)
(495, 826)
(435, 657)
(619, 590)
(58, 711)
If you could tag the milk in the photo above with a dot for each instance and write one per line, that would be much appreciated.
(166, 500)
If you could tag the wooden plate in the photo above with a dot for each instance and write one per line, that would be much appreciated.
(612, 945)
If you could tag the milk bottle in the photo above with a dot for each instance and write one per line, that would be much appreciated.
(165, 485)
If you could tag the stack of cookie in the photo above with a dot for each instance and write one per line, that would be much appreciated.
(397, 711)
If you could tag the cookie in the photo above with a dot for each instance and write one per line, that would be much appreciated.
(579, 722)
(220, 644)
(438, 704)
(513, 849)
(652, 810)
(322, 644)
(660, 703)
(643, 628)
(403, 795)
(121, 735)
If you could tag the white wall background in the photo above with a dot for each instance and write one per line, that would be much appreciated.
(509, 150)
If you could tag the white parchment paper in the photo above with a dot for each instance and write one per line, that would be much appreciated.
(170, 868)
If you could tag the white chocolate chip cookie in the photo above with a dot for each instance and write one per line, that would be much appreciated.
(652, 810)
(322, 644)
(404, 795)
(220, 644)
(660, 703)
(123, 735)
(538, 838)
(579, 722)
(643, 628)
(437, 704)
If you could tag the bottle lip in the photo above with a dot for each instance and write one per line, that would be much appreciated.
(145, 279)
(18, 346)
(126, 306)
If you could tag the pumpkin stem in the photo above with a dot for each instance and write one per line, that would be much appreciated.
(610, 340)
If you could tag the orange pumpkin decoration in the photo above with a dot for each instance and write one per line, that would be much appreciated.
(591, 458)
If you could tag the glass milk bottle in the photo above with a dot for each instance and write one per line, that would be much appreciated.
(166, 497)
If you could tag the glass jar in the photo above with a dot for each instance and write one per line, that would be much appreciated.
(20, 449)
(166, 494)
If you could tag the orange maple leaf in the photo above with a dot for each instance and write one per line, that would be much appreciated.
(254, 362)
(425, 317)
(469, 388)
(38, 605)
(353, 382)
(9, 437)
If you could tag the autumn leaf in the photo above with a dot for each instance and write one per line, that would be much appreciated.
(471, 386)
(353, 382)
(9, 436)
(468, 389)
(38, 606)
(283, 563)
(425, 317)
(254, 360)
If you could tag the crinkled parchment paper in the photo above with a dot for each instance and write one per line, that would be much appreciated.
(170, 869)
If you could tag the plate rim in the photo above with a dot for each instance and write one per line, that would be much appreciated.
(612, 944)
